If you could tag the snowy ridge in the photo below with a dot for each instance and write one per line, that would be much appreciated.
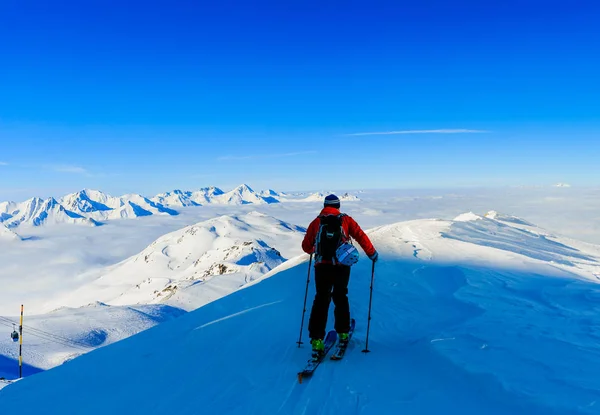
(195, 265)
(479, 312)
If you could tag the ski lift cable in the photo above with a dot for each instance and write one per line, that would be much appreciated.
(58, 339)
(53, 340)
(46, 336)
(33, 329)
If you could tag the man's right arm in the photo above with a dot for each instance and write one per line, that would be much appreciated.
(308, 243)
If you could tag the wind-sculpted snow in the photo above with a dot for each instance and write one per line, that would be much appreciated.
(468, 328)
(507, 234)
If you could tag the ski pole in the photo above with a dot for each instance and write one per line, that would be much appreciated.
(370, 302)
(305, 297)
(21, 345)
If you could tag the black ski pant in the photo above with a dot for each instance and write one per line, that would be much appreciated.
(331, 282)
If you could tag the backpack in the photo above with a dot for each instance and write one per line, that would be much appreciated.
(330, 236)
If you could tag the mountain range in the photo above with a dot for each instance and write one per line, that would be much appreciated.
(93, 207)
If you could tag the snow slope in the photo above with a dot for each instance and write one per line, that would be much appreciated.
(7, 234)
(195, 265)
(53, 338)
(463, 322)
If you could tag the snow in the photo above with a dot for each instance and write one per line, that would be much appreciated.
(511, 266)
(347, 197)
(472, 317)
(466, 217)
(37, 212)
(318, 197)
(86, 207)
(7, 234)
(66, 333)
(241, 195)
(177, 198)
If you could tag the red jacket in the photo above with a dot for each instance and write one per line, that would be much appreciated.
(350, 227)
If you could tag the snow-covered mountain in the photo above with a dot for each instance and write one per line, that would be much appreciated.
(37, 212)
(89, 201)
(347, 197)
(487, 314)
(177, 198)
(181, 198)
(100, 206)
(270, 193)
(319, 197)
(87, 207)
(92, 207)
(206, 194)
(241, 195)
(195, 265)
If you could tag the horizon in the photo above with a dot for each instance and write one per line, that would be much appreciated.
(339, 191)
(379, 95)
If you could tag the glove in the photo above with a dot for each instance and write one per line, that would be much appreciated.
(374, 257)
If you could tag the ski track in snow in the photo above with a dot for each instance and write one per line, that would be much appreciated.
(235, 315)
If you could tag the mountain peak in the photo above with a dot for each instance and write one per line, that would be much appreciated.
(243, 188)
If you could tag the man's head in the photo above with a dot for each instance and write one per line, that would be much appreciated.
(332, 201)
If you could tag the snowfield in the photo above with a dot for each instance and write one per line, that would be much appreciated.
(484, 314)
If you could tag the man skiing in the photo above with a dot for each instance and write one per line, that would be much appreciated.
(331, 278)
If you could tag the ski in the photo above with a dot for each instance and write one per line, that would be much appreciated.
(340, 349)
(312, 364)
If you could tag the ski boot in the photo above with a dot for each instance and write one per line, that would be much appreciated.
(318, 348)
(343, 338)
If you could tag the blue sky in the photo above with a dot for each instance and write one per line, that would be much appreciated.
(150, 96)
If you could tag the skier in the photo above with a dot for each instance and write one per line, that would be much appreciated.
(331, 279)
